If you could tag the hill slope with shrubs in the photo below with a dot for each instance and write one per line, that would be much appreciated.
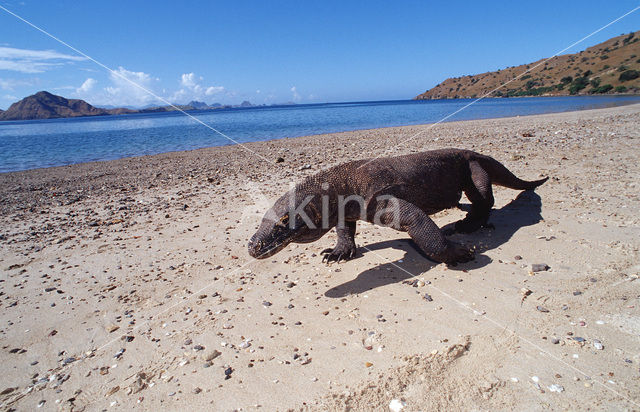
(610, 67)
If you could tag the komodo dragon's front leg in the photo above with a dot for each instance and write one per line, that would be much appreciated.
(346, 246)
(404, 216)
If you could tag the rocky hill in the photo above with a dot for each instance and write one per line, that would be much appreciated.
(609, 67)
(198, 105)
(44, 105)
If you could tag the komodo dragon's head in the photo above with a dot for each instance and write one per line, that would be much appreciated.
(287, 221)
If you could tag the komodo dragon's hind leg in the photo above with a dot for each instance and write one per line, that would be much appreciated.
(404, 216)
(479, 192)
(346, 246)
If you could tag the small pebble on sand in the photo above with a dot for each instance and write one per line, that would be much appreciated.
(540, 267)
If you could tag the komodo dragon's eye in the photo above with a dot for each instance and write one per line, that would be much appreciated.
(284, 220)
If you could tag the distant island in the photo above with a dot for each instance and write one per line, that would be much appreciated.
(611, 67)
(44, 105)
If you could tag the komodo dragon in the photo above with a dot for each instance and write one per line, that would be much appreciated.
(399, 192)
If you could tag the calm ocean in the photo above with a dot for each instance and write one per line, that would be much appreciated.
(44, 143)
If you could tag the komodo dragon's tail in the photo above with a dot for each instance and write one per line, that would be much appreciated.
(500, 175)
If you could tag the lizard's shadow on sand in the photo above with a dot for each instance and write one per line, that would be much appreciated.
(524, 210)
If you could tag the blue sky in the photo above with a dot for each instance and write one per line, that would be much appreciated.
(280, 51)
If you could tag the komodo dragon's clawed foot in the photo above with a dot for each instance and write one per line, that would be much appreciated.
(454, 254)
(470, 226)
(338, 253)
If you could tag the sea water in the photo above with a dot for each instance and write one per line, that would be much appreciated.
(56, 142)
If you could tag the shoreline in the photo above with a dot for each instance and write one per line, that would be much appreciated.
(127, 283)
(423, 125)
(229, 143)
(275, 106)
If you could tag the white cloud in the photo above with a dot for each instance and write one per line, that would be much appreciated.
(13, 53)
(125, 88)
(211, 90)
(189, 80)
(130, 88)
(192, 89)
(24, 66)
(296, 95)
(124, 76)
(179, 96)
(87, 86)
(33, 61)
(11, 84)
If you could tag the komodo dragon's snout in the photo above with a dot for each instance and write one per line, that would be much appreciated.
(284, 223)
(399, 192)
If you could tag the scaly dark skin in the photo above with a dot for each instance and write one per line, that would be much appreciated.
(399, 192)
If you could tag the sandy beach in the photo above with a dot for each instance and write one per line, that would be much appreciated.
(126, 285)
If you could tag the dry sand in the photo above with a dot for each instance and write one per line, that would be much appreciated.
(127, 285)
